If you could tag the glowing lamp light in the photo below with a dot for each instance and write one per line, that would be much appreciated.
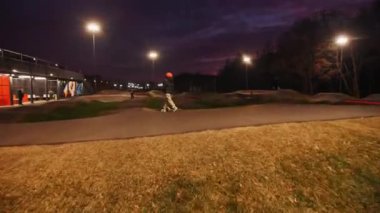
(93, 27)
(153, 55)
(342, 40)
(247, 59)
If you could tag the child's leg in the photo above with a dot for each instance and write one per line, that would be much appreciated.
(171, 102)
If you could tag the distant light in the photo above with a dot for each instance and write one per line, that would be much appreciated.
(51, 74)
(85, 79)
(24, 76)
(160, 85)
(148, 85)
(94, 81)
(13, 75)
(153, 55)
(34, 59)
(247, 59)
(71, 78)
(342, 40)
(56, 65)
(14, 70)
(40, 78)
(115, 85)
(93, 27)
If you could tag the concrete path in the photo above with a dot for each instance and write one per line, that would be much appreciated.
(143, 122)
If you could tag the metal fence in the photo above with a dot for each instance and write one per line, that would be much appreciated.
(20, 64)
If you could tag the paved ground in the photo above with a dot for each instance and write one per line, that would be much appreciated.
(142, 122)
(36, 103)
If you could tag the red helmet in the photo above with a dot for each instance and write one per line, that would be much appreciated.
(169, 75)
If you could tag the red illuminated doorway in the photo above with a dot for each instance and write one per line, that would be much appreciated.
(5, 95)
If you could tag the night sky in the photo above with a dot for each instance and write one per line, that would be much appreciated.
(192, 35)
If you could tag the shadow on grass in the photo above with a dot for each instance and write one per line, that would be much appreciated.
(180, 195)
(349, 181)
(154, 103)
(185, 194)
(79, 110)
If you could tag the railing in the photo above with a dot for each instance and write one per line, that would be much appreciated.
(27, 58)
(18, 63)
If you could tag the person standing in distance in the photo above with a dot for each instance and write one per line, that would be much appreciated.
(20, 96)
(169, 89)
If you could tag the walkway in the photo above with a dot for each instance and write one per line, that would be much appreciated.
(142, 122)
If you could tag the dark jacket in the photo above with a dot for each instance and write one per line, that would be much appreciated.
(20, 94)
(168, 86)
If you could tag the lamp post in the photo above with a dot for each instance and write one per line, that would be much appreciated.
(93, 28)
(341, 41)
(153, 56)
(247, 61)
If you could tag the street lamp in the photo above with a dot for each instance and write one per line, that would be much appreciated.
(341, 41)
(153, 56)
(93, 28)
(247, 61)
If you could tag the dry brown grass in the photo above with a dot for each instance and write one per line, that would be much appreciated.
(317, 166)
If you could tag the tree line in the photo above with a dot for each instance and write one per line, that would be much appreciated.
(306, 57)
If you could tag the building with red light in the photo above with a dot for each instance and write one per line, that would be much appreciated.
(38, 79)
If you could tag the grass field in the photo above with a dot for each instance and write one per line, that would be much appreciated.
(74, 111)
(316, 166)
